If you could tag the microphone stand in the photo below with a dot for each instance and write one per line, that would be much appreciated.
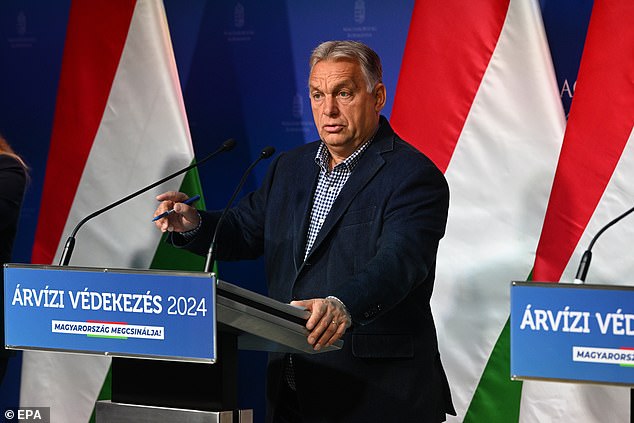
(584, 264)
(211, 254)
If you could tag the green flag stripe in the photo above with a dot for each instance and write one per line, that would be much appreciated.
(497, 397)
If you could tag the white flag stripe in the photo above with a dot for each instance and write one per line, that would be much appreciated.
(500, 176)
(137, 144)
(544, 402)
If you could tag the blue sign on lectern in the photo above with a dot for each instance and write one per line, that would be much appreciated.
(572, 332)
(127, 313)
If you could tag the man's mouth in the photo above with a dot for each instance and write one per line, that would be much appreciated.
(333, 128)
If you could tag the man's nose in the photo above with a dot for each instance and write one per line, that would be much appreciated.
(330, 106)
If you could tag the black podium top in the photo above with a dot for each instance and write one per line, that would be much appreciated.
(263, 323)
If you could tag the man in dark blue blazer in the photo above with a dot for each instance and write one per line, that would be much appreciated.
(349, 226)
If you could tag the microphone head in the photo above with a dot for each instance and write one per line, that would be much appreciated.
(267, 152)
(228, 144)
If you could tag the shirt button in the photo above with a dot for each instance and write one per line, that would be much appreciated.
(321, 220)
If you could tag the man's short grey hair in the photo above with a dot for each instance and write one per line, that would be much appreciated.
(366, 57)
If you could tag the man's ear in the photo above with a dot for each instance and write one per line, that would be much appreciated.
(379, 96)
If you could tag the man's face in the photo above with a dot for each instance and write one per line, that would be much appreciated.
(345, 113)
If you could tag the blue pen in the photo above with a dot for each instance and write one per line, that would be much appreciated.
(188, 202)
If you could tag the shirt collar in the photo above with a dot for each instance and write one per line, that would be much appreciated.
(322, 158)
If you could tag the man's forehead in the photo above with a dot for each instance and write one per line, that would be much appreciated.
(335, 71)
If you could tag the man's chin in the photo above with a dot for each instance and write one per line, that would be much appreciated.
(333, 140)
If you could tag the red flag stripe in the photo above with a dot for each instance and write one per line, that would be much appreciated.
(600, 123)
(95, 38)
(435, 92)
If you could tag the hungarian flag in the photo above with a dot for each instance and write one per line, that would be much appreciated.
(477, 93)
(120, 124)
(593, 185)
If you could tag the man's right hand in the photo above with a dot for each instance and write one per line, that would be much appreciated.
(185, 218)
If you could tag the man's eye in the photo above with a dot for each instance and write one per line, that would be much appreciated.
(317, 96)
(344, 94)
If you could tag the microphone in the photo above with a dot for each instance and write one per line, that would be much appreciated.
(211, 254)
(70, 243)
(584, 264)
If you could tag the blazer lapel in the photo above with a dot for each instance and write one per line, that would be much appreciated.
(301, 216)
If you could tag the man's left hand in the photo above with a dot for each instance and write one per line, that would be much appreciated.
(328, 321)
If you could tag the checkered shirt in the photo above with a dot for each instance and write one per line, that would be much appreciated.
(329, 185)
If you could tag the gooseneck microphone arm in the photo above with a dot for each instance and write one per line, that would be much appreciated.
(211, 254)
(70, 242)
(584, 264)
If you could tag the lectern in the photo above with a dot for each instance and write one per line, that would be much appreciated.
(173, 336)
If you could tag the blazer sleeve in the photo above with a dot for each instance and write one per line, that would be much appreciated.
(241, 235)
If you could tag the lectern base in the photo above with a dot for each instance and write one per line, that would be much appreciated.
(113, 412)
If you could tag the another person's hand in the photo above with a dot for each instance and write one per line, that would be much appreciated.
(185, 218)
(328, 321)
